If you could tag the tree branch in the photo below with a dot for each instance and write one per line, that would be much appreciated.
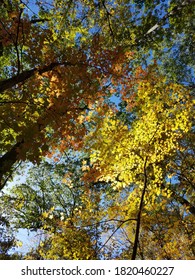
(170, 14)
(36, 20)
(113, 233)
(22, 77)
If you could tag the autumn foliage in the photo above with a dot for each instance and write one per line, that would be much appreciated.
(97, 126)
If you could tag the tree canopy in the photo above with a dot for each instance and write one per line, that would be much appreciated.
(97, 110)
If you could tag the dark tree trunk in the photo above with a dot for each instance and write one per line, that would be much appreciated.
(7, 161)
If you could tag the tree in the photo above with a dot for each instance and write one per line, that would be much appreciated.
(52, 79)
(57, 205)
(142, 153)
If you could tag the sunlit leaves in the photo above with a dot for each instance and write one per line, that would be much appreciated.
(163, 117)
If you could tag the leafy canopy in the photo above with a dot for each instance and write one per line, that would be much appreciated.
(99, 97)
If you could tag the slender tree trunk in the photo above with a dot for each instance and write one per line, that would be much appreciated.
(136, 241)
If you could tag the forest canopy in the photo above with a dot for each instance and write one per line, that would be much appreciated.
(97, 138)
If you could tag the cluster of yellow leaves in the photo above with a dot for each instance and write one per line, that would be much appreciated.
(128, 155)
(165, 232)
(70, 244)
(163, 115)
(171, 237)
